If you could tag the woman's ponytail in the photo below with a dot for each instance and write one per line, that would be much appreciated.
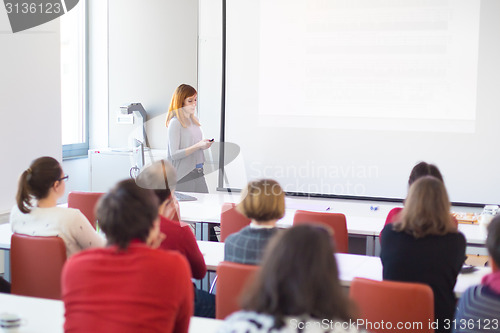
(23, 197)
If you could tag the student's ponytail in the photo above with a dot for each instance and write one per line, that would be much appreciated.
(23, 195)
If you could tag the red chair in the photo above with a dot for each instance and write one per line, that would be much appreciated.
(36, 264)
(232, 278)
(85, 202)
(336, 221)
(393, 303)
(231, 221)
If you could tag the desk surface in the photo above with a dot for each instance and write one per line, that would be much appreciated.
(43, 315)
(350, 266)
(361, 218)
(5, 234)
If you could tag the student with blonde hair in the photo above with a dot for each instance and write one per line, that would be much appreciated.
(263, 201)
(425, 245)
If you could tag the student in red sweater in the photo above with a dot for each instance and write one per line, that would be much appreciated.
(128, 286)
(161, 176)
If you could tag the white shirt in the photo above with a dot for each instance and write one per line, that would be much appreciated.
(252, 322)
(68, 223)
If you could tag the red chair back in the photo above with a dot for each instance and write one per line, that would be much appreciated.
(36, 264)
(336, 221)
(231, 221)
(393, 302)
(85, 202)
(231, 280)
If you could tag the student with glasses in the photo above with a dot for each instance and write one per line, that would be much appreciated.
(37, 214)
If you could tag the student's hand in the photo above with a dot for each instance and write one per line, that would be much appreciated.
(154, 240)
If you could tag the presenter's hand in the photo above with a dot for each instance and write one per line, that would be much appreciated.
(204, 144)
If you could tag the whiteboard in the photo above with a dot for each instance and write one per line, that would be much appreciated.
(345, 97)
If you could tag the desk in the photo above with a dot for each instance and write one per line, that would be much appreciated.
(5, 234)
(47, 316)
(349, 265)
(362, 221)
(39, 314)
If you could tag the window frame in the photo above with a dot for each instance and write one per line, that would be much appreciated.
(80, 150)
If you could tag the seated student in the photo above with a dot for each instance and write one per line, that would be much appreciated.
(161, 177)
(296, 287)
(263, 201)
(425, 245)
(479, 307)
(129, 286)
(37, 214)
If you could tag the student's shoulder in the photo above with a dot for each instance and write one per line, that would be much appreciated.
(247, 321)
(164, 262)
(388, 231)
(168, 256)
(87, 256)
(457, 237)
(66, 211)
(242, 233)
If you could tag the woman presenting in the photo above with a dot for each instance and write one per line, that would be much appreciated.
(185, 142)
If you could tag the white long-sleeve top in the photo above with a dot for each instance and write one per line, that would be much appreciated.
(68, 223)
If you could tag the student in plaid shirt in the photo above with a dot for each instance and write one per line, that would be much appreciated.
(263, 201)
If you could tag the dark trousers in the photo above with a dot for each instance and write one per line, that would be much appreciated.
(4, 286)
(204, 304)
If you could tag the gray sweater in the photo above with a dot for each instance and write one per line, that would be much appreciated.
(180, 138)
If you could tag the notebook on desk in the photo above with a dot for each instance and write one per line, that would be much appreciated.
(184, 197)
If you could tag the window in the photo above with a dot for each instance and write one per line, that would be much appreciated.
(74, 106)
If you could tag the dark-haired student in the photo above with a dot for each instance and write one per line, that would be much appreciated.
(425, 246)
(36, 212)
(297, 288)
(263, 201)
(479, 307)
(421, 169)
(161, 177)
(129, 286)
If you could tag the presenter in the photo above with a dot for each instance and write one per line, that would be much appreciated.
(185, 141)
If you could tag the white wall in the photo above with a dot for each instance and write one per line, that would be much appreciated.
(152, 49)
(78, 171)
(30, 97)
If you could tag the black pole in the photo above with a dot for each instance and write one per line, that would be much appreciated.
(223, 99)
